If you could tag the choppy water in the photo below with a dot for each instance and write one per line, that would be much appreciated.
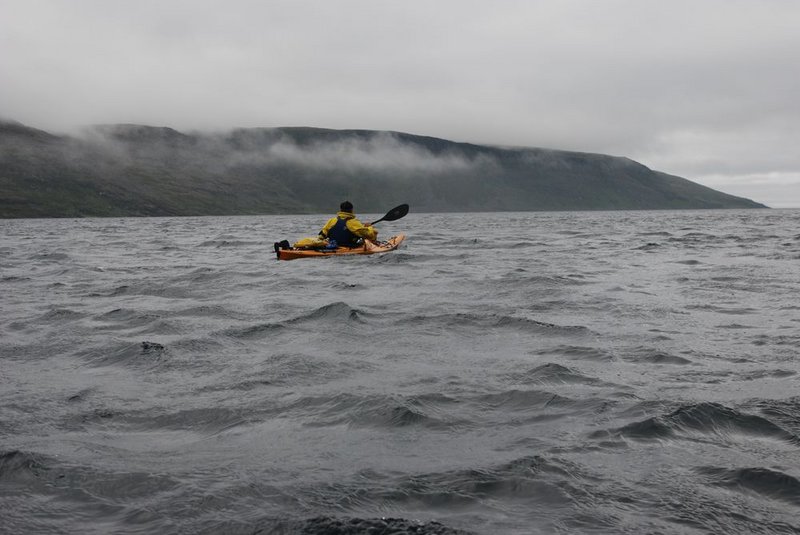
(501, 373)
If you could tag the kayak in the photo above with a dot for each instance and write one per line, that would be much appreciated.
(369, 247)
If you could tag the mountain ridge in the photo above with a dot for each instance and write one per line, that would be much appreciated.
(141, 170)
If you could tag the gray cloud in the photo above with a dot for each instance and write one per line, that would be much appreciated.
(706, 90)
(381, 152)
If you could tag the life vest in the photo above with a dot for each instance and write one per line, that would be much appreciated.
(342, 234)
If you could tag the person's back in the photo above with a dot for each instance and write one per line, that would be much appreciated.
(346, 229)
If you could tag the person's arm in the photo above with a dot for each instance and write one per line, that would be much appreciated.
(359, 229)
(324, 232)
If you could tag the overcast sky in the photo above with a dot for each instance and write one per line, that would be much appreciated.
(705, 89)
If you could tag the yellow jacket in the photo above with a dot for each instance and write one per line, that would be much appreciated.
(353, 225)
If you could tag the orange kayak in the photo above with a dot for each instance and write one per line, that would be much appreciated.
(369, 247)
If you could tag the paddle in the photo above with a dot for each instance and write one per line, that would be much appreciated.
(393, 215)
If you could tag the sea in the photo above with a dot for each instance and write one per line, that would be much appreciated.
(500, 373)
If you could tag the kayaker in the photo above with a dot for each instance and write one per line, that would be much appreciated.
(345, 229)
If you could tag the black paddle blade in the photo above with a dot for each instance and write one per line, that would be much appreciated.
(394, 214)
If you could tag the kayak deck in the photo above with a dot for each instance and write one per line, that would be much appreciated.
(369, 247)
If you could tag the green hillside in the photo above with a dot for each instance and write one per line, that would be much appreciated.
(131, 170)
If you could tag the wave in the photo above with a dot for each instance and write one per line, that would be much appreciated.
(206, 420)
(122, 289)
(786, 412)
(650, 356)
(433, 411)
(227, 243)
(406, 259)
(471, 320)
(654, 233)
(529, 406)
(528, 244)
(522, 399)
(43, 475)
(133, 321)
(179, 286)
(14, 278)
(52, 256)
(791, 340)
(532, 479)
(703, 418)
(370, 411)
(551, 373)
(57, 315)
(332, 314)
(520, 278)
(763, 374)
(735, 326)
(127, 317)
(733, 311)
(18, 466)
(144, 354)
(207, 311)
(578, 353)
(81, 396)
(333, 525)
(387, 526)
(342, 285)
(259, 330)
(167, 290)
(289, 369)
(763, 481)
